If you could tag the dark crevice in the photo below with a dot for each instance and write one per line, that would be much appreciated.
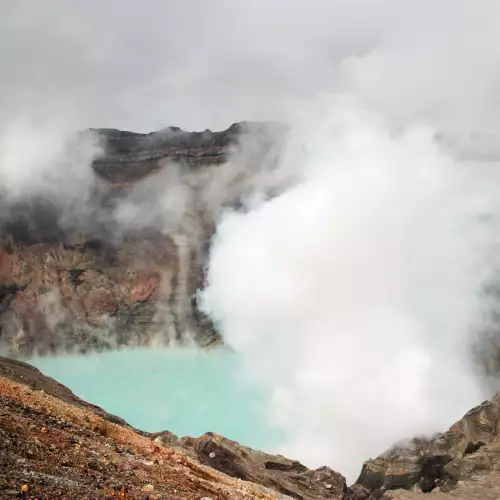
(7, 293)
(75, 277)
(473, 447)
(433, 473)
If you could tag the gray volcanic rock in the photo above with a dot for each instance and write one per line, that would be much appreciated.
(131, 156)
(460, 461)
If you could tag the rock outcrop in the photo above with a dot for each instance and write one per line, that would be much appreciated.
(463, 462)
(131, 156)
(285, 476)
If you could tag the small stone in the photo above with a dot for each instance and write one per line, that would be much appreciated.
(328, 486)
(147, 488)
(205, 498)
(44, 430)
(212, 455)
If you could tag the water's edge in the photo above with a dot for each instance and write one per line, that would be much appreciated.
(186, 391)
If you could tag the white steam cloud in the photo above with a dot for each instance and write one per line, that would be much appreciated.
(357, 295)
(44, 160)
(353, 296)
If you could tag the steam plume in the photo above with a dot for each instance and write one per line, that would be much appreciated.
(357, 296)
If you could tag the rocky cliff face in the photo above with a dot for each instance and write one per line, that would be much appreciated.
(96, 283)
(60, 297)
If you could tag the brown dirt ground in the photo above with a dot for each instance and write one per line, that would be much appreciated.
(53, 448)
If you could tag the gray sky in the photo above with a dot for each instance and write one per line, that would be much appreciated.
(207, 63)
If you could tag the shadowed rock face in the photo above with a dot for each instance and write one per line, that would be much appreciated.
(130, 156)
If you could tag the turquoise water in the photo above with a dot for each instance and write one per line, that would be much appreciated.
(187, 392)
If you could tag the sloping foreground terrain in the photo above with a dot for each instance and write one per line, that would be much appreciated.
(55, 445)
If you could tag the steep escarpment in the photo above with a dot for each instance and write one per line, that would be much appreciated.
(121, 268)
(61, 297)
(65, 297)
(131, 156)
